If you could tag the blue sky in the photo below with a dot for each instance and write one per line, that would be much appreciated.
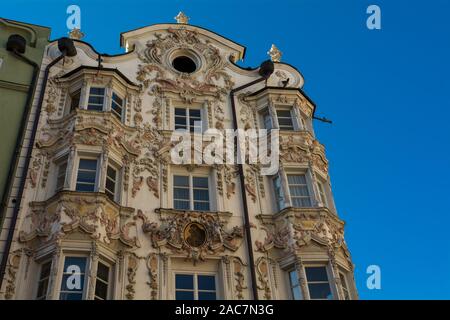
(386, 92)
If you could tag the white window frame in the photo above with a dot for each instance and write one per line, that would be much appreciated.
(308, 186)
(282, 201)
(195, 275)
(97, 171)
(110, 283)
(329, 277)
(105, 97)
(47, 279)
(345, 285)
(58, 163)
(322, 192)
(203, 127)
(122, 115)
(118, 181)
(191, 188)
(295, 125)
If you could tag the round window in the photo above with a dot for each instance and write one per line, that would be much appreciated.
(184, 64)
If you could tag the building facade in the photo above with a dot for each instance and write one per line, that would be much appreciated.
(107, 214)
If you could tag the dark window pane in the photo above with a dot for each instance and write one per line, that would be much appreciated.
(110, 185)
(206, 283)
(180, 112)
(316, 274)
(75, 261)
(117, 99)
(95, 100)
(194, 113)
(206, 296)
(293, 278)
(181, 193)
(284, 113)
(88, 164)
(70, 296)
(201, 206)
(86, 177)
(95, 107)
(85, 187)
(201, 195)
(200, 182)
(181, 181)
(184, 281)
(45, 270)
(102, 271)
(112, 173)
(184, 295)
(181, 205)
(320, 291)
(75, 100)
(101, 290)
(42, 289)
(97, 91)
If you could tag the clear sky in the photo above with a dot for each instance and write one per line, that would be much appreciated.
(386, 91)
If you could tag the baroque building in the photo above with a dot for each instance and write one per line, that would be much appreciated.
(106, 214)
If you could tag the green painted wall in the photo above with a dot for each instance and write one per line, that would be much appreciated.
(15, 79)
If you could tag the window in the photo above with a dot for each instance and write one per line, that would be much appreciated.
(195, 287)
(117, 106)
(102, 282)
(322, 195)
(285, 120)
(191, 193)
(43, 280)
(188, 119)
(296, 291)
(278, 192)
(61, 174)
(73, 280)
(96, 99)
(111, 183)
(267, 120)
(75, 100)
(344, 286)
(87, 174)
(298, 190)
(318, 285)
(184, 64)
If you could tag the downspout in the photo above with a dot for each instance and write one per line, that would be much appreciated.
(265, 71)
(67, 48)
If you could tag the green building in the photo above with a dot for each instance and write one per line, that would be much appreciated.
(18, 77)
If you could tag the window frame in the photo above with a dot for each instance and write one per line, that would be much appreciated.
(307, 185)
(191, 177)
(97, 170)
(122, 114)
(109, 283)
(187, 116)
(322, 193)
(195, 283)
(105, 97)
(85, 284)
(41, 280)
(345, 286)
(117, 183)
(329, 279)
(280, 201)
(62, 160)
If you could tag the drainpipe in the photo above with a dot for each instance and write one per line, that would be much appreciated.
(265, 70)
(67, 48)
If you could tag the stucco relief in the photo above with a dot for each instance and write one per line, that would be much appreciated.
(61, 215)
(193, 234)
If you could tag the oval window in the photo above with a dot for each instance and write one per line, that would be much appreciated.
(184, 64)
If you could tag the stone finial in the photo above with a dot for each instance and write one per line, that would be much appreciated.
(274, 53)
(76, 34)
(182, 18)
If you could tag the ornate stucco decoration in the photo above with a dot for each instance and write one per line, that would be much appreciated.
(182, 18)
(239, 277)
(262, 269)
(300, 147)
(91, 213)
(211, 80)
(193, 234)
(274, 53)
(11, 271)
(294, 228)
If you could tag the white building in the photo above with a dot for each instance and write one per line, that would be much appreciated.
(102, 194)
